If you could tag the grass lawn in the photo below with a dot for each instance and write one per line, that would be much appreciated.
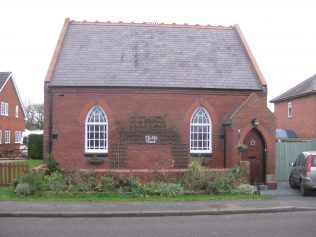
(8, 194)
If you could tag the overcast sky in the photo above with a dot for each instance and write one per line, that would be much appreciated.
(280, 33)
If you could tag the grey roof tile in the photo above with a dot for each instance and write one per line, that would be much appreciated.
(304, 88)
(3, 77)
(153, 56)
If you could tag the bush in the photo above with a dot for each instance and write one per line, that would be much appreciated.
(78, 181)
(239, 176)
(35, 180)
(55, 182)
(220, 185)
(194, 177)
(129, 185)
(247, 189)
(51, 164)
(171, 189)
(23, 189)
(159, 189)
(107, 184)
(35, 146)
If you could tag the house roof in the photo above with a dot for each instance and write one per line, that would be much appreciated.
(306, 87)
(4, 78)
(153, 55)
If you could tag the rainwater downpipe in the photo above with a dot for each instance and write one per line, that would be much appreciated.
(50, 120)
(224, 147)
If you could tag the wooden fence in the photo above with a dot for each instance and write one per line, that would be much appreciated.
(10, 171)
(287, 152)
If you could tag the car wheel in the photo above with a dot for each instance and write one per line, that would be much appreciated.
(304, 191)
(291, 182)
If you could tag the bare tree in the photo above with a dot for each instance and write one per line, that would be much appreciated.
(35, 116)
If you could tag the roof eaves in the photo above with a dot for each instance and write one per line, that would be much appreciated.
(251, 57)
(280, 99)
(57, 50)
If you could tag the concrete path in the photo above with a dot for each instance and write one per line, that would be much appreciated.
(285, 200)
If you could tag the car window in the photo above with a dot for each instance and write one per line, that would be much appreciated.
(302, 161)
(297, 160)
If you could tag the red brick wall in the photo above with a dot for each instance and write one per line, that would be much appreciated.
(11, 123)
(303, 120)
(71, 105)
(254, 107)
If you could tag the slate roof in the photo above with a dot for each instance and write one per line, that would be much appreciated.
(3, 78)
(306, 87)
(146, 55)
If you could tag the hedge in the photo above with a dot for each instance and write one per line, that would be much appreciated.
(35, 146)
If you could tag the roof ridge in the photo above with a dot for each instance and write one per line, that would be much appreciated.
(150, 24)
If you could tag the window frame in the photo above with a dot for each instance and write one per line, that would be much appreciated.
(289, 110)
(0, 136)
(4, 109)
(200, 150)
(16, 111)
(87, 148)
(19, 136)
(7, 139)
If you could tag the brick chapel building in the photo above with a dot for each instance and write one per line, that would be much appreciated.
(146, 97)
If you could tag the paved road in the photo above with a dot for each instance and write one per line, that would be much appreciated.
(260, 225)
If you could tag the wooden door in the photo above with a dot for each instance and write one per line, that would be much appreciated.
(255, 154)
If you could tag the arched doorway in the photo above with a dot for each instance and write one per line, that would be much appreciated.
(255, 154)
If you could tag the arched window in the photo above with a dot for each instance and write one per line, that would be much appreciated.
(96, 137)
(201, 132)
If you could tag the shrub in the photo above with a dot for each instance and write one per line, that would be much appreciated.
(51, 164)
(159, 189)
(90, 179)
(55, 182)
(194, 177)
(78, 181)
(239, 175)
(247, 189)
(171, 189)
(107, 184)
(35, 146)
(23, 189)
(129, 185)
(149, 189)
(35, 180)
(220, 185)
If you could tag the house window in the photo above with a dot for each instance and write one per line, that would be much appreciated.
(17, 137)
(16, 111)
(96, 134)
(7, 137)
(4, 109)
(289, 110)
(201, 132)
(0, 137)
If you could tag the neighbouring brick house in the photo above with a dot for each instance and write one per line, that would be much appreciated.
(12, 115)
(149, 96)
(295, 109)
